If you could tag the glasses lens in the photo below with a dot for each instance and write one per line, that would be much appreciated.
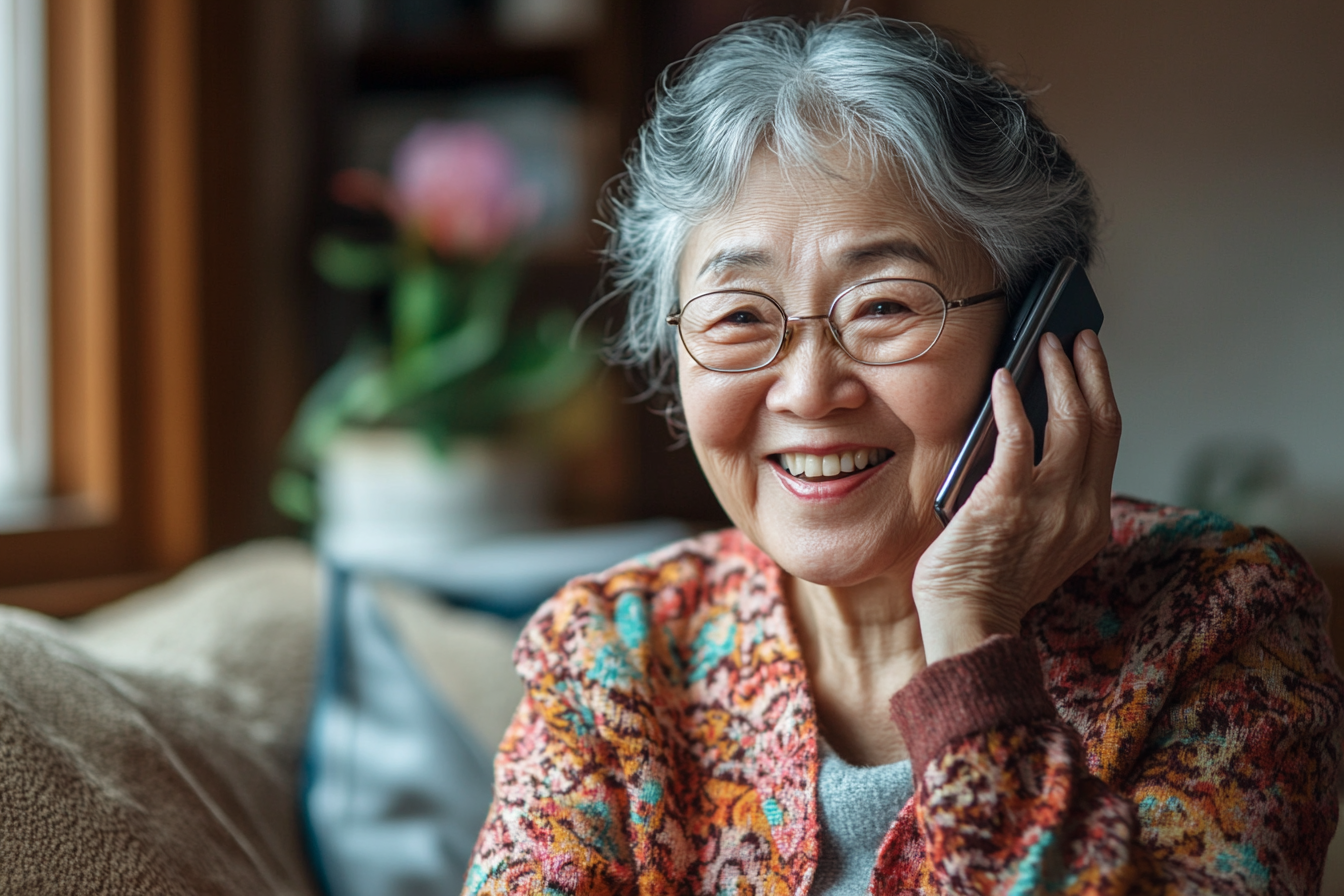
(888, 321)
(732, 331)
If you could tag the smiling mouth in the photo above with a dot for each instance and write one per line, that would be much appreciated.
(824, 467)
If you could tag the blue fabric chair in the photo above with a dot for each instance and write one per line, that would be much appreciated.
(395, 786)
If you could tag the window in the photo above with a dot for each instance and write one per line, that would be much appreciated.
(112, 481)
(24, 394)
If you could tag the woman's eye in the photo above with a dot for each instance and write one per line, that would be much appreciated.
(741, 317)
(884, 307)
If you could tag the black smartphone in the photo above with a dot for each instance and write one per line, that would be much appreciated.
(1060, 302)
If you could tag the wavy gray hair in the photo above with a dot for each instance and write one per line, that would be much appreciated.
(899, 95)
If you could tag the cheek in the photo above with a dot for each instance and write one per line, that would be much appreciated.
(719, 407)
(713, 414)
(936, 406)
(722, 417)
(945, 395)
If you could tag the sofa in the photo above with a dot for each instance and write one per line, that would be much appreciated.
(153, 746)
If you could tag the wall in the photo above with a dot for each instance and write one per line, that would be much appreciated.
(1215, 132)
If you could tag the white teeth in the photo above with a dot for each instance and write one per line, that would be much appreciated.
(815, 466)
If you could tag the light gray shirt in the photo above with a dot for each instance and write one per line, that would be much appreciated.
(856, 806)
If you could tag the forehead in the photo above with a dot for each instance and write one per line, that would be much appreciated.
(842, 211)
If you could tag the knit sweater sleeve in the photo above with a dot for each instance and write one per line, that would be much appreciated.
(1214, 774)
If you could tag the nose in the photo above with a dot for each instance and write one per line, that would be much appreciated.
(813, 375)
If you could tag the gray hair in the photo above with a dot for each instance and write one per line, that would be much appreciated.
(899, 95)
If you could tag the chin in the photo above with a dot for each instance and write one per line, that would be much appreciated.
(837, 559)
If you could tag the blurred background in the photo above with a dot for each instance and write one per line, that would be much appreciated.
(168, 170)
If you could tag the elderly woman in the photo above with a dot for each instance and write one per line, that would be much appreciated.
(1058, 692)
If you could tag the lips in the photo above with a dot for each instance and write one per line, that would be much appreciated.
(835, 465)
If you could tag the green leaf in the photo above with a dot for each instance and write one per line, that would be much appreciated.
(419, 307)
(294, 495)
(349, 265)
(370, 397)
(469, 346)
(327, 406)
(545, 385)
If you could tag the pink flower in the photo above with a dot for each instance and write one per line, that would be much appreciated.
(456, 182)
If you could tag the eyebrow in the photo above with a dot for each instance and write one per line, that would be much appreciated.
(899, 249)
(902, 250)
(735, 258)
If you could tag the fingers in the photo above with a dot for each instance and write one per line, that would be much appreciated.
(1094, 380)
(1069, 426)
(1082, 434)
(1014, 447)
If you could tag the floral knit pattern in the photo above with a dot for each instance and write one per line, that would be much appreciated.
(1167, 722)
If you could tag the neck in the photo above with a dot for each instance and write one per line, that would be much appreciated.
(861, 645)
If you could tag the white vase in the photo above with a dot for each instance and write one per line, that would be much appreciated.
(390, 501)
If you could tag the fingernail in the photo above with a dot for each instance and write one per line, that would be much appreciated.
(1003, 376)
(1054, 341)
(1090, 340)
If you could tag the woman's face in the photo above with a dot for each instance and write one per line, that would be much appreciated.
(802, 237)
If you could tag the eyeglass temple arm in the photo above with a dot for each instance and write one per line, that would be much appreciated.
(976, 300)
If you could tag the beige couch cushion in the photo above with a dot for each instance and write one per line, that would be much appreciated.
(152, 747)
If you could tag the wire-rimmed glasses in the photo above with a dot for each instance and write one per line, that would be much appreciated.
(879, 322)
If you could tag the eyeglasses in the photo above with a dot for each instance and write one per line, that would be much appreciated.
(878, 322)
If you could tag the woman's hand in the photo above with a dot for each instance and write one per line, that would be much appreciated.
(1025, 528)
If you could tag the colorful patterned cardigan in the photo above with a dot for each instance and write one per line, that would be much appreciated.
(1168, 721)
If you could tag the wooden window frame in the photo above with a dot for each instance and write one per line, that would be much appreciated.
(127, 453)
